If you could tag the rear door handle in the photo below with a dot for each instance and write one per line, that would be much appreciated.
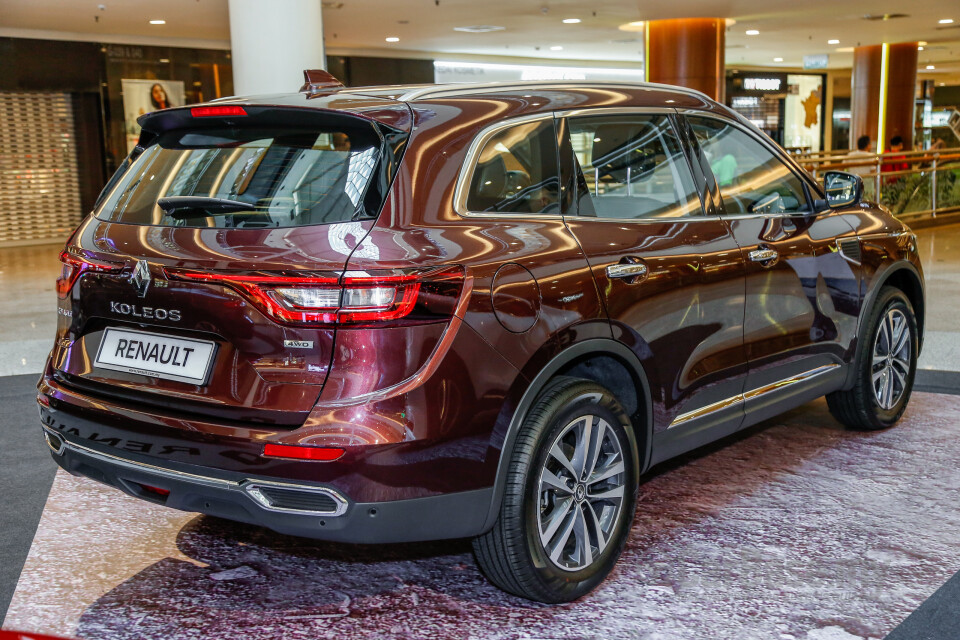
(762, 255)
(627, 270)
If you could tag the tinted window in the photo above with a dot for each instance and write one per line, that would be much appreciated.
(516, 171)
(290, 177)
(632, 167)
(751, 178)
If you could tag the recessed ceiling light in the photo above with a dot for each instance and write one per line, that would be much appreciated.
(930, 67)
(752, 32)
(922, 43)
(844, 50)
(833, 42)
(571, 21)
(556, 48)
(158, 22)
(920, 48)
(946, 21)
(479, 28)
(941, 84)
(778, 59)
(392, 39)
(164, 60)
(633, 26)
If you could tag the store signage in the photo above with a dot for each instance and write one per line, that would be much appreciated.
(762, 84)
(817, 61)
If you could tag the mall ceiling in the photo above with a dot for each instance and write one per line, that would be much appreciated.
(788, 29)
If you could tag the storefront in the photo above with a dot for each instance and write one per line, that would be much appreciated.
(788, 107)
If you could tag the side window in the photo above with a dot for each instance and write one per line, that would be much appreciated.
(632, 167)
(751, 178)
(516, 171)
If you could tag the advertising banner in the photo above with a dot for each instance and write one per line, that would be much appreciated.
(144, 96)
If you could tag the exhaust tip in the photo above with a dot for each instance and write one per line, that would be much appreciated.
(55, 442)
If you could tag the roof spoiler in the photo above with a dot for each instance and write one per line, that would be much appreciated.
(316, 80)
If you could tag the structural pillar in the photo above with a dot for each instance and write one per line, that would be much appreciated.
(273, 42)
(687, 52)
(884, 85)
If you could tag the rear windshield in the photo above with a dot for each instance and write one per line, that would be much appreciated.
(279, 178)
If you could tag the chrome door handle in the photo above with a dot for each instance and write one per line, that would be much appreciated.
(762, 255)
(626, 270)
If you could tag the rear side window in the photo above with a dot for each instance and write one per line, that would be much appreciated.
(280, 178)
(516, 171)
(632, 167)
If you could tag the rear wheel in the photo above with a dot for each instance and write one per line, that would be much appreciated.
(569, 498)
(886, 364)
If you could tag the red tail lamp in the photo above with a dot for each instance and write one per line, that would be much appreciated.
(300, 452)
(208, 112)
(75, 266)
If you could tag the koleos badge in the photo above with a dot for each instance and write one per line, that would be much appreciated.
(141, 278)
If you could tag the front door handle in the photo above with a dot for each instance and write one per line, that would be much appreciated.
(763, 255)
(627, 270)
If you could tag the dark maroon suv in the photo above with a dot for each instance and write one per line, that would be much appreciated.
(408, 313)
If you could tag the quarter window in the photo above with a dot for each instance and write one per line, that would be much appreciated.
(516, 171)
(751, 178)
(632, 167)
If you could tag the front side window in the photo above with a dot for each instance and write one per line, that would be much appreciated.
(751, 178)
(516, 171)
(631, 167)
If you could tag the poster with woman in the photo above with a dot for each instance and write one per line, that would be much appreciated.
(144, 96)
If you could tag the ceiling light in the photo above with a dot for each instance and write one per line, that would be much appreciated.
(479, 28)
(393, 39)
(571, 21)
(919, 48)
(930, 67)
(637, 25)
(922, 43)
(158, 22)
(164, 60)
(778, 59)
(947, 21)
(752, 32)
(845, 50)
(833, 42)
(556, 48)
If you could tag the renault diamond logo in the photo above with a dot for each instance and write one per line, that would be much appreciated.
(141, 278)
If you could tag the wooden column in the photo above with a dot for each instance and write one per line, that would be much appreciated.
(883, 82)
(687, 52)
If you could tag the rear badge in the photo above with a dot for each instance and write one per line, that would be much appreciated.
(298, 344)
(141, 278)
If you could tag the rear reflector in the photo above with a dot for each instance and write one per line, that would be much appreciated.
(75, 266)
(155, 490)
(298, 452)
(207, 112)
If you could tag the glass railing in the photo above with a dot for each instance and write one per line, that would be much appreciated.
(913, 185)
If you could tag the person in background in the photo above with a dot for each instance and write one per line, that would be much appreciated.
(897, 162)
(861, 154)
(158, 96)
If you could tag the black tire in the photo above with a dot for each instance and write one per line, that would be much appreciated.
(860, 407)
(511, 554)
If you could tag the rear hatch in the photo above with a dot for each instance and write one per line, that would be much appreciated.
(208, 282)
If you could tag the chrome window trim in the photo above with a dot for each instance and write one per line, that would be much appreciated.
(741, 398)
(219, 483)
(469, 167)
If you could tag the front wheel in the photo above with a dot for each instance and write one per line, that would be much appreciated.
(569, 498)
(885, 366)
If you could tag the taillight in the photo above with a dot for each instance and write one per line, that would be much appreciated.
(300, 452)
(355, 297)
(75, 266)
(225, 110)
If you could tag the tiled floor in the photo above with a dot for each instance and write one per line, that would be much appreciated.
(799, 531)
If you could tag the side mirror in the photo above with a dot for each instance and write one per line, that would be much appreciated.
(843, 189)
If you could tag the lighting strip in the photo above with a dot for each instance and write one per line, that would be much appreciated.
(646, 51)
(882, 112)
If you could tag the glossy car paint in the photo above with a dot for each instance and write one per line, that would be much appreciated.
(428, 409)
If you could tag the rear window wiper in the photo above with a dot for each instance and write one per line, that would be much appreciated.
(186, 206)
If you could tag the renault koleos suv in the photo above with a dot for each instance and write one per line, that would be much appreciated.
(408, 313)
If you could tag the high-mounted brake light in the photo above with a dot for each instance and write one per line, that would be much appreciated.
(357, 297)
(300, 452)
(226, 110)
(75, 266)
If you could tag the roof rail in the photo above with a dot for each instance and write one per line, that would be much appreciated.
(452, 89)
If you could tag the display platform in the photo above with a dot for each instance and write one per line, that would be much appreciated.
(797, 530)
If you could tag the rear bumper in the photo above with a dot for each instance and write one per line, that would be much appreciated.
(299, 509)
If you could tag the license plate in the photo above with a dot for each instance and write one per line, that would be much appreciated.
(159, 356)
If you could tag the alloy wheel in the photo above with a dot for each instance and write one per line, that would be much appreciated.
(892, 356)
(581, 492)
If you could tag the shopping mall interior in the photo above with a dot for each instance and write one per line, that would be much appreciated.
(792, 529)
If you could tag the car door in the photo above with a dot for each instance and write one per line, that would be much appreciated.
(669, 275)
(801, 291)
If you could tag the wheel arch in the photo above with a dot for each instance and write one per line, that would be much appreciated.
(601, 360)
